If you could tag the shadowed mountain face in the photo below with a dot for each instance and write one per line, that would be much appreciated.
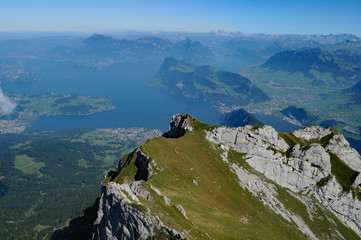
(207, 83)
(299, 114)
(284, 45)
(100, 51)
(239, 118)
(355, 92)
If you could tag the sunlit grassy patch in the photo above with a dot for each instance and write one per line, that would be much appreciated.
(217, 205)
(82, 162)
(27, 165)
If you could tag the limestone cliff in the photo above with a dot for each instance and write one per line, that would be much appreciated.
(209, 182)
(305, 168)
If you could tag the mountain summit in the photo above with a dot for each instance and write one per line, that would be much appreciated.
(210, 182)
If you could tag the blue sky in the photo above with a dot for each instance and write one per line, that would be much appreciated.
(256, 16)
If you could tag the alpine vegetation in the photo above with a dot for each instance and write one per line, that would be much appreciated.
(210, 182)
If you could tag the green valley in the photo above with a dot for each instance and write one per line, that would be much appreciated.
(321, 84)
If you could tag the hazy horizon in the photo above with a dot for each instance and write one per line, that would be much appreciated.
(18, 35)
(261, 16)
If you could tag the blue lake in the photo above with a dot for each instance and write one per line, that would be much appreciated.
(137, 105)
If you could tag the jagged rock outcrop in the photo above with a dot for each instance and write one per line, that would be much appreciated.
(119, 217)
(144, 169)
(139, 190)
(312, 132)
(265, 152)
(179, 124)
(343, 204)
(302, 169)
(118, 220)
(337, 144)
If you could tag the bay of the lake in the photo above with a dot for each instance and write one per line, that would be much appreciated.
(124, 84)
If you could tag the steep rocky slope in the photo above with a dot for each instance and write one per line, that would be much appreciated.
(209, 182)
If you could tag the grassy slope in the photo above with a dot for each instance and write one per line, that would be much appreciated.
(215, 205)
(27, 165)
(218, 205)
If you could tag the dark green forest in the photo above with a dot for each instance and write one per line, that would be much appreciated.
(47, 178)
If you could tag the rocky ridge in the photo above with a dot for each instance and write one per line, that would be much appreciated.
(119, 218)
(303, 163)
(120, 215)
(301, 169)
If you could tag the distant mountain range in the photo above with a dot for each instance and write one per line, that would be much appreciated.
(319, 67)
(252, 50)
(284, 45)
(100, 51)
(351, 46)
(207, 83)
(260, 42)
(232, 51)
